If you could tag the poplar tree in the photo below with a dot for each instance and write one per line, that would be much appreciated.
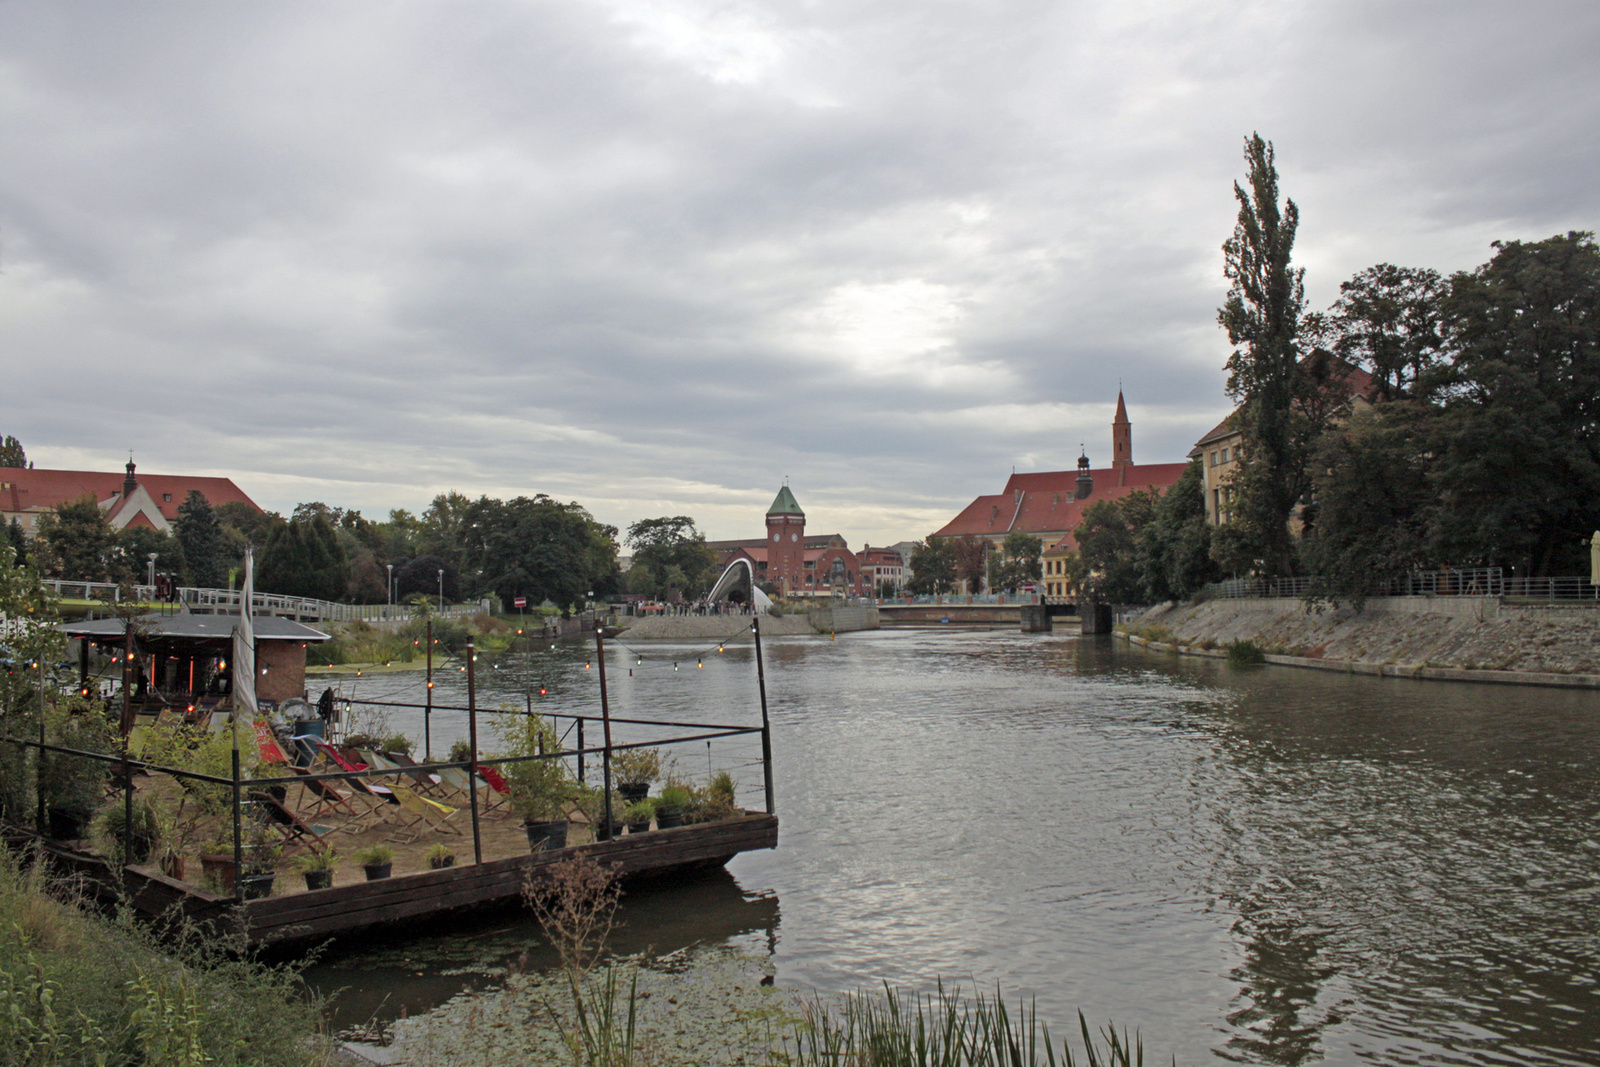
(1266, 296)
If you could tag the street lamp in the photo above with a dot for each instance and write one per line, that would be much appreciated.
(152, 570)
(389, 585)
(441, 589)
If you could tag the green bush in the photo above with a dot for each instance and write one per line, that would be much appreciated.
(1245, 654)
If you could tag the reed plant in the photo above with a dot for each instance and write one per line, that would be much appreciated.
(1245, 654)
(945, 1028)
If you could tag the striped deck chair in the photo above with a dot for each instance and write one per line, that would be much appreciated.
(295, 830)
(267, 745)
(431, 816)
(373, 790)
(424, 781)
(491, 806)
(329, 801)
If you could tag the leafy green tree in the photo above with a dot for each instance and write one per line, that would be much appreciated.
(969, 557)
(205, 546)
(933, 567)
(134, 546)
(77, 542)
(1375, 503)
(11, 453)
(17, 540)
(303, 557)
(244, 524)
(669, 556)
(443, 528)
(1261, 315)
(420, 577)
(1110, 543)
(1518, 474)
(1017, 561)
(1387, 320)
(1175, 547)
(535, 547)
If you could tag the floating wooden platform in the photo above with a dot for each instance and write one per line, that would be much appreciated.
(346, 908)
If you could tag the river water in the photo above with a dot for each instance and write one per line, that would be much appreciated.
(1260, 866)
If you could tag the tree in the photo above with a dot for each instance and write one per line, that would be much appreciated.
(1374, 500)
(933, 568)
(303, 557)
(133, 549)
(1518, 474)
(1109, 546)
(420, 577)
(17, 540)
(1175, 548)
(1262, 318)
(1387, 320)
(205, 546)
(669, 556)
(77, 542)
(535, 547)
(11, 453)
(1017, 561)
(969, 558)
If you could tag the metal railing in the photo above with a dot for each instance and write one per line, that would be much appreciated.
(227, 601)
(1450, 581)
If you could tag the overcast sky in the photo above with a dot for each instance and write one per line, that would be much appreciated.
(658, 256)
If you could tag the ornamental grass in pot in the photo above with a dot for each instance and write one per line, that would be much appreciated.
(540, 788)
(440, 857)
(377, 861)
(317, 867)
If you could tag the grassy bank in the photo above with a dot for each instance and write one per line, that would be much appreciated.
(80, 988)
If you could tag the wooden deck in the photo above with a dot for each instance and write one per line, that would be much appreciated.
(357, 905)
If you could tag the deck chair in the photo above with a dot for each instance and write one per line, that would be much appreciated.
(268, 746)
(295, 830)
(391, 761)
(430, 815)
(372, 790)
(359, 810)
(490, 806)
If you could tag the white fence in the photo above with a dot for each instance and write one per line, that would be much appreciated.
(227, 602)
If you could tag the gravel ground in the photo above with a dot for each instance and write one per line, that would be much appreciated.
(703, 1006)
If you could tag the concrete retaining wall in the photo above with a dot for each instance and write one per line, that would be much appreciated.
(841, 618)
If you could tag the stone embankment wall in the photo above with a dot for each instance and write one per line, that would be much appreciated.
(843, 618)
(711, 627)
(1481, 639)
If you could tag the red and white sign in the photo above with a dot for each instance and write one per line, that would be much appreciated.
(519, 602)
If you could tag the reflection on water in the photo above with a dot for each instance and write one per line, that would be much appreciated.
(1272, 866)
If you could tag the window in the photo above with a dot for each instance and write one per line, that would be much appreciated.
(166, 498)
(1224, 455)
(1213, 459)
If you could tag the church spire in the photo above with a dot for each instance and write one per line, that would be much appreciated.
(1121, 436)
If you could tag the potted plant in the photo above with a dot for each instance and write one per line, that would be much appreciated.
(592, 802)
(216, 864)
(637, 815)
(74, 786)
(262, 848)
(440, 857)
(377, 861)
(318, 868)
(540, 788)
(671, 804)
(713, 802)
(634, 769)
(109, 827)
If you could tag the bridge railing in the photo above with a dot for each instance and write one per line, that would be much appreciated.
(962, 598)
(1453, 581)
(228, 601)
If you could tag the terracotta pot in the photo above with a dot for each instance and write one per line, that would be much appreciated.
(172, 866)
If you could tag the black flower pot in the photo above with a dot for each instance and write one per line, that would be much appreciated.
(319, 879)
(376, 871)
(256, 886)
(638, 827)
(441, 864)
(67, 824)
(546, 836)
(633, 791)
(666, 818)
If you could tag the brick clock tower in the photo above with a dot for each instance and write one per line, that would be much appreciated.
(786, 542)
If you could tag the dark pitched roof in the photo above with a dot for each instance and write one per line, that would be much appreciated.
(24, 488)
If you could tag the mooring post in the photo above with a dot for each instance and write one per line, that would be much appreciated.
(38, 778)
(427, 709)
(766, 724)
(127, 810)
(605, 718)
(238, 834)
(472, 730)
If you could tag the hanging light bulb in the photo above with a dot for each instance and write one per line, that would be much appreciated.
(641, 661)
(586, 665)
(699, 665)
(719, 648)
(630, 672)
(543, 690)
(674, 666)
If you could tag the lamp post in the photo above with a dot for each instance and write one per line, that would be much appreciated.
(152, 570)
(389, 585)
(441, 589)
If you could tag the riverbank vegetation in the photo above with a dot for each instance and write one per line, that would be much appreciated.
(77, 987)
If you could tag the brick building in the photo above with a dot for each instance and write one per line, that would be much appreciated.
(129, 500)
(797, 564)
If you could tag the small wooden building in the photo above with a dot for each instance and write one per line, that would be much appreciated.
(182, 661)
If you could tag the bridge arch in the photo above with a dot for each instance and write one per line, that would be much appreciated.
(731, 575)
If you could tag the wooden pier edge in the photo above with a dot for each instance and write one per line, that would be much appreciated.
(346, 908)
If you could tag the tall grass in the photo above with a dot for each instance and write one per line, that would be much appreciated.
(77, 988)
(946, 1028)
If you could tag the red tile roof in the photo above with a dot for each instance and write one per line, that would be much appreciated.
(23, 488)
(1044, 504)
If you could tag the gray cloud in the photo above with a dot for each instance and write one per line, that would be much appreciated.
(657, 257)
